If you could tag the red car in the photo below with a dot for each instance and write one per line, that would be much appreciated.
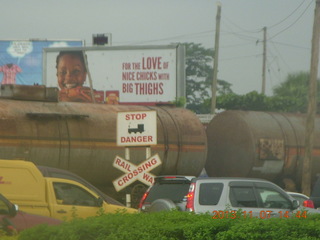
(13, 221)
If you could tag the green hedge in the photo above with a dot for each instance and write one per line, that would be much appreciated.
(4, 236)
(177, 225)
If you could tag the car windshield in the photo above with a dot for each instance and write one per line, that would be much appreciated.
(172, 190)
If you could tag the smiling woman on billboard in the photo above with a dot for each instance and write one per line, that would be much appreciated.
(71, 75)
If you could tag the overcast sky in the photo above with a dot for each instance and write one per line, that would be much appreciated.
(156, 22)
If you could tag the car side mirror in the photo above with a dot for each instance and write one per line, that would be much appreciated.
(14, 208)
(99, 202)
(295, 204)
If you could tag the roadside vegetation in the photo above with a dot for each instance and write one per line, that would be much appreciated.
(178, 225)
(4, 236)
(289, 96)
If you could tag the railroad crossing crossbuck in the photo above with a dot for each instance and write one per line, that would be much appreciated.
(134, 172)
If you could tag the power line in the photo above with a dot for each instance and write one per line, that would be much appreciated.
(236, 45)
(240, 57)
(276, 24)
(292, 23)
(242, 29)
(241, 36)
(291, 45)
(280, 55)
(173, 38)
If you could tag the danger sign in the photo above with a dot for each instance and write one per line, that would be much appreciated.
(137, 128)
(134, 172)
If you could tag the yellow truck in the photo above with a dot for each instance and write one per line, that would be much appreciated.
(23, 184)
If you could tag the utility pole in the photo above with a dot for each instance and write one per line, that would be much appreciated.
(215, 60)
(312, 104)
(264, 61)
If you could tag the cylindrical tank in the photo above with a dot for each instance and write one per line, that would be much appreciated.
(81, 137)
(260, 144)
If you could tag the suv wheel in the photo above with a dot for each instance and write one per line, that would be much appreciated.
(162, 205)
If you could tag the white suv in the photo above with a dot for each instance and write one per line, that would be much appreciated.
(222, 197)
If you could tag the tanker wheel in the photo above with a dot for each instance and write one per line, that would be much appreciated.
(136, 194)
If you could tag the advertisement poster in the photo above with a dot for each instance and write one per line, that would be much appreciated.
(21, 60)
(126, 75)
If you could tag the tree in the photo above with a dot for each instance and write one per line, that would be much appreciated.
(250, 101)
(289, 96)
(295, 89)
(199, 74)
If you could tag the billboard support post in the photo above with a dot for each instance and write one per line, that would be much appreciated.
(89, 76)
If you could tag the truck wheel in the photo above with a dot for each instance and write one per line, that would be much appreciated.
(162, 205)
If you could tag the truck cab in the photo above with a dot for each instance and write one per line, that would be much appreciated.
(23, 184)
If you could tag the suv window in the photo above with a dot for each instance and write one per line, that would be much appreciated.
(243, 197)
(273, 199)
(173, 190)
(210, 193)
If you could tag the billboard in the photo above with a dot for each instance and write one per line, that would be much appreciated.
(119, 75)
(21, 60)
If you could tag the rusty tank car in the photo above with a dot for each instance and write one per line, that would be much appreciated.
(260, 144)
(81, 137)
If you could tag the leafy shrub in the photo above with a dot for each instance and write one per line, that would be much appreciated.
(176, 225)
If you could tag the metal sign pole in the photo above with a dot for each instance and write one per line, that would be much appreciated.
(148, 152)
(127, 157)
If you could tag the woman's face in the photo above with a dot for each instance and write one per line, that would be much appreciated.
(71, 72)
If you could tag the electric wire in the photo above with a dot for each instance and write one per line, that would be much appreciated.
(241, 28)
(241, 57)
(280, 55)
(291, 23)
(276, 24)
(291, 45)
(188, 36)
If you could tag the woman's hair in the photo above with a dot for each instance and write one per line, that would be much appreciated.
(78, 54)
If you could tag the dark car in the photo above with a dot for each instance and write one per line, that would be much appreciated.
(14, 221)
(167, 192)
(315, 193)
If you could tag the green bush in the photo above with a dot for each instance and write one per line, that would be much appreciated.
(4, 236)
(176, 225)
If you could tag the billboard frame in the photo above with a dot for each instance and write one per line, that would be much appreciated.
(28, 56)
(180, 61)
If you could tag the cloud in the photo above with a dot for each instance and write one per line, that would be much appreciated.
(59, 44)
(20, 48)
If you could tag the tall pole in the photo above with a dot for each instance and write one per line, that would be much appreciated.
(264, 61)
(215, 60)
(89, 76)
(312, 104)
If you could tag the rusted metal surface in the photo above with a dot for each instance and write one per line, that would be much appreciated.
(259, 144)
(31, 93)
(81, 137)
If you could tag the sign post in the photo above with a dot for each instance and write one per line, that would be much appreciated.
(134, 172)
(137, 128)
